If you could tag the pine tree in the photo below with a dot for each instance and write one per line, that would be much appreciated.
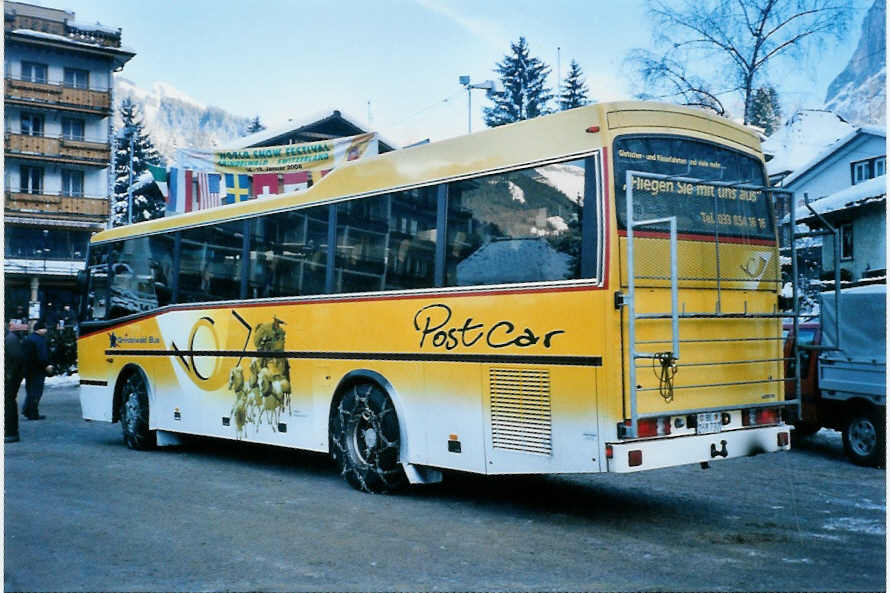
(144, 153)
(254, 126)
(525, 95)
(766, 112)
(574, 90)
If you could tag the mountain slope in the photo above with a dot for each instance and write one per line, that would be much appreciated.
(859, 93)
(175, 120)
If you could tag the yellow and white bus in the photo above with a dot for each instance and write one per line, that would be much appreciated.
(488, 304)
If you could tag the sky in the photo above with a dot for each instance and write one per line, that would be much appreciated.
(392, 65)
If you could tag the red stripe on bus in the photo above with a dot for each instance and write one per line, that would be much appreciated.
(607, 223)
(700, 238)
(248, 304)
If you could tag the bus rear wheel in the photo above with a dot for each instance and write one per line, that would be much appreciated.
(365, 437)
(133, 413)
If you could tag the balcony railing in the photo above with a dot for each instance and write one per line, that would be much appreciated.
(44, 203)
(57, 94)
(58, 149)
(104, 36)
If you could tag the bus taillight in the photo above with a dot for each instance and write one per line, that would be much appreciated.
(757, 416)
(652, 427)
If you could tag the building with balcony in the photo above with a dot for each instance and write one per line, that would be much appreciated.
(58, 108)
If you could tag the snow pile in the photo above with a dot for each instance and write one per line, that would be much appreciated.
(58, 381)
(804, 137)
(871, 191)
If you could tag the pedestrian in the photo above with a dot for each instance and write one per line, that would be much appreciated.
(37, 367)
(50, 316)
(14, 367)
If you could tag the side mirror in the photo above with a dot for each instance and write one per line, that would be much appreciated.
(82, 280)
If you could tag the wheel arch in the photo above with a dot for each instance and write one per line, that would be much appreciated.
(365, 376)
(127, 370)
(859, 405)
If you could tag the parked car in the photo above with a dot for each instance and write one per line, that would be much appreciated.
(844, 388)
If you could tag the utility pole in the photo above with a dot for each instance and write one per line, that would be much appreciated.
(558, 76)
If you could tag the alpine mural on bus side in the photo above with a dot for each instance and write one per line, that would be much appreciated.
(262, 391)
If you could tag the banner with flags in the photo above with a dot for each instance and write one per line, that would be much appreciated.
(324, 154)
(209, 178)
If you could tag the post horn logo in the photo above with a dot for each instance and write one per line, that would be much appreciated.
(755, 266)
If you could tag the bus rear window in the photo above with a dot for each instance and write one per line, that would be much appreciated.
(701, 208)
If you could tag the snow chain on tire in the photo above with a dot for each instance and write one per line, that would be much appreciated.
(365, 437)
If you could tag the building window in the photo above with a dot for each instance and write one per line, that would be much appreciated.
(34, 72)
(72, 129)
(846, 232)
(72, 183)
(868, 169)
(78, 79)
(32, 124)
(31, 180)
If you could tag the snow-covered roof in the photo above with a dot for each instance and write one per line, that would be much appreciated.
(827, 152)
(806, 134)
(867, 192)
(293, 125)
(70, 41)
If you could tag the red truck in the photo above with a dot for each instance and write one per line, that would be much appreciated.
(843, 387)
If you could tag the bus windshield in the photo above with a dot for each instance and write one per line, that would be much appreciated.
(700, 208)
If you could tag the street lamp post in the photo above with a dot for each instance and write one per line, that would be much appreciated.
(489, 86)
(130, 182)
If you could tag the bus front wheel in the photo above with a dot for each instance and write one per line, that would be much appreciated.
(365, 436)
(133, 412)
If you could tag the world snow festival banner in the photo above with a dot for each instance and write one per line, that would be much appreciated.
(306, 156)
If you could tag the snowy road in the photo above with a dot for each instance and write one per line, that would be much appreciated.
(84, 513)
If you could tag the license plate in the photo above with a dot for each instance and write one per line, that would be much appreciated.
(708, 423)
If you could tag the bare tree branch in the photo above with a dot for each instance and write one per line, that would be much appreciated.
(732, 40)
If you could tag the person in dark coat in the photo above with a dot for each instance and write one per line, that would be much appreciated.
(37, 367)
(14, 367)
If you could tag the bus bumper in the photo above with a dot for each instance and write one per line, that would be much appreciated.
(637, 455)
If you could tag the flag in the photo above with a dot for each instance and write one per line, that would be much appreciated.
(189, 191)
(237, 188)
(296, 181)
(160, 177)
(208, 190)
(175, 202)
(265, 184)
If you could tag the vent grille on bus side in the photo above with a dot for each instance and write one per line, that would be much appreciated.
(520, 410)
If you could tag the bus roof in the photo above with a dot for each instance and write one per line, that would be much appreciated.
(552, 137)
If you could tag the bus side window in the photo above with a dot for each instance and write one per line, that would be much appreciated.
(132, 288)
(288, 253)
(210, 263)
(161, 266)
(521, 226)
(96, 288)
